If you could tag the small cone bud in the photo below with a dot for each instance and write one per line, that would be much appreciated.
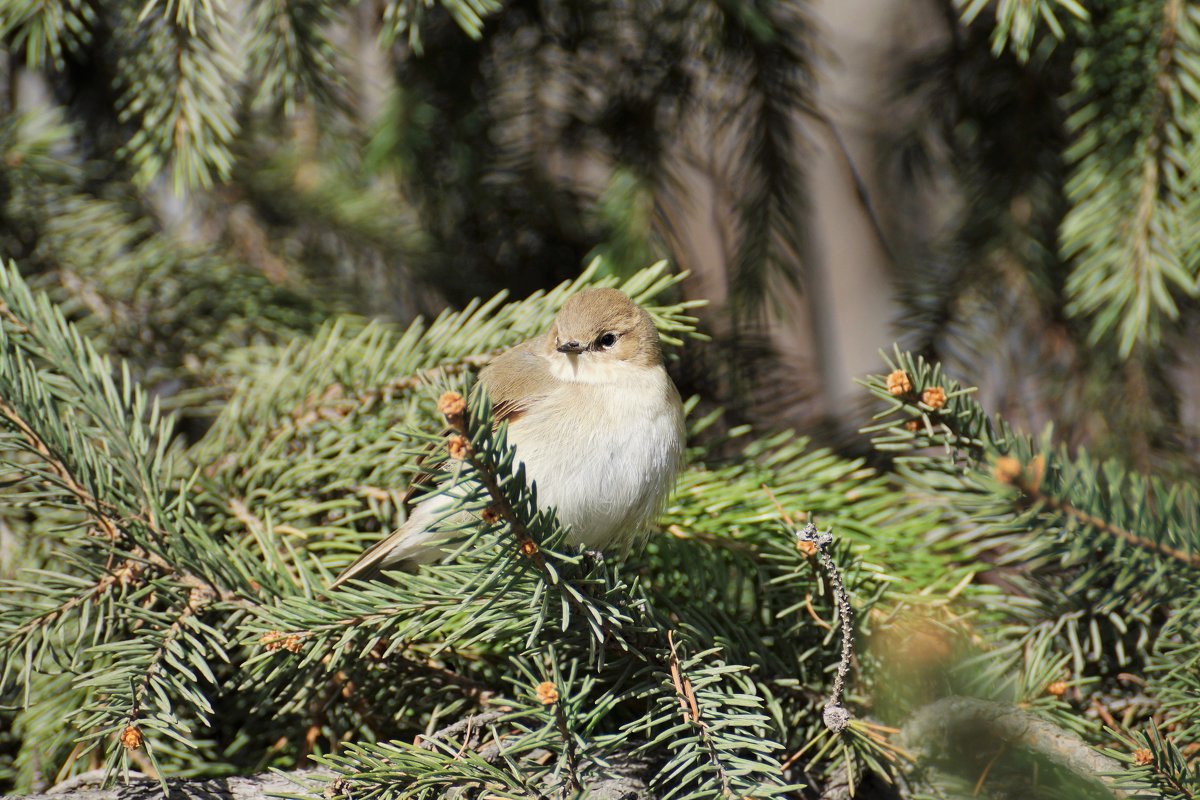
(898, 383)
(451, 404)
(131, 737)
(547, 693)
(934, 397)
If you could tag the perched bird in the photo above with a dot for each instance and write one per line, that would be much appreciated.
(593, 416)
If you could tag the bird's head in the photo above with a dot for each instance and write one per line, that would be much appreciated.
(598, 328)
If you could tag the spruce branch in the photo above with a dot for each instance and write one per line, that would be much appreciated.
(1028, 483)
(126, 626)
(37, 621)
(1131, 189)
(1158, 763)
(336, 402)
(175, 80)
(46, 31)
(474, 447)
(454, 408)
(1098, 549)
(403, 18)
(1016, 23)
(291, 57)
(171, 654)
(101, 436)
(1142, 512)
(128, 574)
(101, 514)
(961, 431)
(197, 598)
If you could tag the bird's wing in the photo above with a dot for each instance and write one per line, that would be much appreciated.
(514, 380)
(508, 381)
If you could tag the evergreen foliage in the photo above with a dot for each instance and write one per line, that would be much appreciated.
(1101, 563)
(1016, 23)
(172, 309)
(1133, 187)
(197, 93)
(197, 431)
(179, 620)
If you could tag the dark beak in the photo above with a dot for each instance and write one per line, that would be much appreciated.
(570, 347)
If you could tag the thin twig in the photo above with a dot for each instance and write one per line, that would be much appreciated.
(1105, 716)
(691, 712)
(94, 505)
(454, 729)
(988, 769)
(710, 539)
(812, 612)
(835, 715)
(560, 718)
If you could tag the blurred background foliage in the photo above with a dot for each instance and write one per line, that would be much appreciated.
(386, 158)
(198, 184)
(194, 175)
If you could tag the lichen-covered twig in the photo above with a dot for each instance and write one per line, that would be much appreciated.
(835, 715)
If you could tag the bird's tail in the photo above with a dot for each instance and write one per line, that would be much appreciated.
(364, 568)
(416, 542)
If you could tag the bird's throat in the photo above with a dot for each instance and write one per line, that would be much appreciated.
(588, 368)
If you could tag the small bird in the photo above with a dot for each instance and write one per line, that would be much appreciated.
(593, 416)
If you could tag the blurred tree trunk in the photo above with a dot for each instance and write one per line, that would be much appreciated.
(829, 332)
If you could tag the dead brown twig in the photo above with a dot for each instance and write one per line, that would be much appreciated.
(691, 711)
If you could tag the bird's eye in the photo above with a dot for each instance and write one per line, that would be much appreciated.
(607, 340)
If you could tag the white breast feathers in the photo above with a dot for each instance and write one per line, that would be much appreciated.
(603, 449)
